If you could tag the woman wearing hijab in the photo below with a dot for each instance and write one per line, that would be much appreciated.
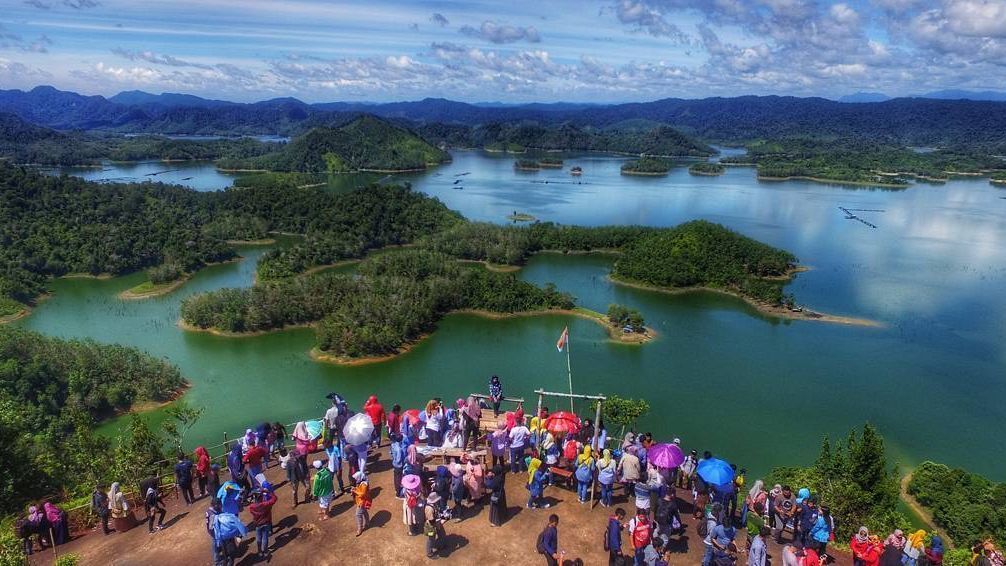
(236, 465)
(412, 503)
(549, 452)
(606, 468)
(442, 484)
(322, 489)
(248, 440)
(537, 479)
(754, 503)
(495, 394)
(202, 469)
(458, 490)
(39, 525)
(860, 545)
(934, 554)
(896, 539)
(914, 548)
(413, 461)
(584, 473)
(118, 508)
(57, 523)
(820, 533)
(230, 495)
(474, 478)
(471, 417)
(534, 439)
(499, 444)
(496, 484)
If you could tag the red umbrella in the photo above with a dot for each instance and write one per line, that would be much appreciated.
(562, 422)
(412, 415)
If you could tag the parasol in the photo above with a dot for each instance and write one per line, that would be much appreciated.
(715, 471)
(666, 456)
(358, 430)
(562, 423)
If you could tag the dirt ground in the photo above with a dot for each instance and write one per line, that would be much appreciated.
(300, 538)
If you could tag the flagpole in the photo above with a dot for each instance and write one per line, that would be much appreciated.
(569, 369)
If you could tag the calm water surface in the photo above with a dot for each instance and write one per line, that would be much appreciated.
(758, 391)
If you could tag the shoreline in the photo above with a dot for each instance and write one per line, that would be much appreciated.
(248, 334)
(774, 311)
(151, 405)
(832, 181)
(8, 318)
(99, 277)
(262, 242)
(645, 173)
(155, 291)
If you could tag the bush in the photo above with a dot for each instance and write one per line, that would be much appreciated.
(165, 273)
(623, 316)
(67, 560)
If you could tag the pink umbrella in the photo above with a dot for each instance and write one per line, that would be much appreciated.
(665, 456)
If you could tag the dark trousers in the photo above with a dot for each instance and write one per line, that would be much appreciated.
(187, 494)
(550, 560)
(262, 537)
(157, 510)
(499, 460)
(104, 522)
(202, 486)
(471, 432)
(398, 482)
(496, 408)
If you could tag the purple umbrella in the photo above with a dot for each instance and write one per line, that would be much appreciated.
(665, 456)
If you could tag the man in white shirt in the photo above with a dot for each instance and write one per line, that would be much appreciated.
(519, 435)
(330, 417)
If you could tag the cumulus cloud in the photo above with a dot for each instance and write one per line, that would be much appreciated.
(14, 71)
(645, 17)
(38, 4)
(81, 4)
(439, 19)
(14, 41)
(502, 33)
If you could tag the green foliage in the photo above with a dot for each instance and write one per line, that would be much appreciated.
(859, 161)
(367, 143)
(11, 550)
(624, 412)
(269, 179)
(9, 306)
(138, 449)
(236, 226)
(706, 168)
(52, 392)
(394, 299)
(66, 560)
(854, 480)
(703, 254)
(623, 316)
(957, 557)
(514, 137)
(527, 165)
(647, 166)
(181, 418)
(165, 273)
(968, 506)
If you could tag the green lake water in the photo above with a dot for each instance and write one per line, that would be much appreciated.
(757, 391)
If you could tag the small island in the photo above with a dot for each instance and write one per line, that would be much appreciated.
(707, 168)
(647, 166)
(521, 217)
(526, 165)
(161, 280)
(550, 163)
(998, 178)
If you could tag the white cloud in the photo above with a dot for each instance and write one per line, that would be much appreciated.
(502, 33)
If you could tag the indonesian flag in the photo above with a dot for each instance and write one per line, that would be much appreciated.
(563, 339)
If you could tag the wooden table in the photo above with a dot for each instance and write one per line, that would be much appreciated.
(445, 454)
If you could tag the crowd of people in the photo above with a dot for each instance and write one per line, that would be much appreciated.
(432, 495)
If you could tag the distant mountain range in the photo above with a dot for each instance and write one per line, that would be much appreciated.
(939, 119)
(987, 95)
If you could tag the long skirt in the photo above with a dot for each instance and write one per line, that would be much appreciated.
(498, 510)
(123, 524)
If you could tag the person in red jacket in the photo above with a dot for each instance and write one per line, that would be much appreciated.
(253, 458)
(375, 411)
(202, 469)
(859, 545)
(261, 512)
(871, 557)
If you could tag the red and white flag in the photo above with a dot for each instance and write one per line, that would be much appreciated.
(563, 339)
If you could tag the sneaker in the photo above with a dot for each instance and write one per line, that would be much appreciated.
(546, 506)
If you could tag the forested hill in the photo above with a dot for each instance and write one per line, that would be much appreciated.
(366, 143)
(908, 121)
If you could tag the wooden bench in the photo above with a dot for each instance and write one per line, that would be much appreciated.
(567, 476)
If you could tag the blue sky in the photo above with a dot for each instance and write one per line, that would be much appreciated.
(513, 51)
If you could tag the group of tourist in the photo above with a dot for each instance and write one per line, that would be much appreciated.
(433, 495)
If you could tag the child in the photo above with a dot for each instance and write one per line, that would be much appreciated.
(335, 462)
(322, 489)
(361, 496)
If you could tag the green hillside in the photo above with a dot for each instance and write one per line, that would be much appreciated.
(367, 143)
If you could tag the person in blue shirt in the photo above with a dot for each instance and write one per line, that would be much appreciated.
(550, 542)
(183, 478)
(613, 537)
(397, 461)
(334, 452)
(808, 518)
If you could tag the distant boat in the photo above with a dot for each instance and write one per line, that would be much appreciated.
(577, 171)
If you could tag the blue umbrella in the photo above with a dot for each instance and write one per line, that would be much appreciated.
(715, 471)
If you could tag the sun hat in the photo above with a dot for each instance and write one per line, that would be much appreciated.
(411, 481)
(433, 499)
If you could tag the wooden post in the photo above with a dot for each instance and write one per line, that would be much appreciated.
(593, 443)
(538, 412)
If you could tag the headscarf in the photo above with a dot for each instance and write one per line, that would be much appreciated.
(863, 535)
(460, 403)
(605, 458)
(455, 469)
(756, 489)
(474, 410)
(548, 442)
(442, 472)
(535, 424)
(51, 512)
(249, 438)
(202, 460)
(896, 539)
(936, 545)
(532, 468)
(113, 492)
(300, 432)
(915, 540)
(802, 495)
(585, 457)
(411, 456)
(629, 440)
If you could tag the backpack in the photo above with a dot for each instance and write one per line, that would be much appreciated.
(583, 472)
(641, 534)
(703, 528)
(411, 500)
(569, 450)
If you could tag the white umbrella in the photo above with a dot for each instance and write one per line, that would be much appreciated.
(358, 429)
